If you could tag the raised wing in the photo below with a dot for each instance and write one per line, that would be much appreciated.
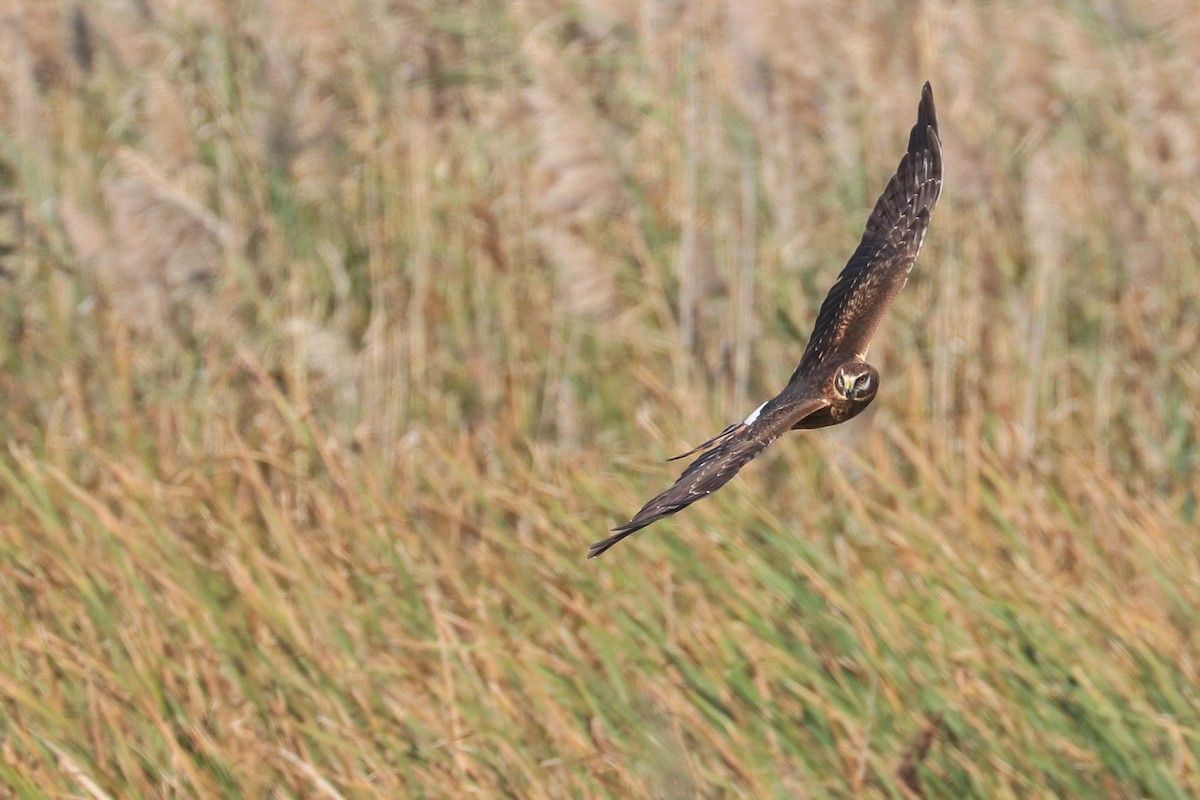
(714, 469)
(879, 267)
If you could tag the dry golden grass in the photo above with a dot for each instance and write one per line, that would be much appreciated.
(333, 333)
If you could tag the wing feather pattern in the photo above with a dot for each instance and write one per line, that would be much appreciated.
(845, 326)
(879, 267)
(715, 468)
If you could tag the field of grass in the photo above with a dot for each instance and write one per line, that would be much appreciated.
(331, 334)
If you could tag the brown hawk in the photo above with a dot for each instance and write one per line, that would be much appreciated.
(832, 383)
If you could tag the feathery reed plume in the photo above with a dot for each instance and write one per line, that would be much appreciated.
(85, 235)
(585, 284)
(581, 184)
(128, 39)
(23, 70)
(168, 133)
(308, 102)
(36, 29)
(768, 75)
(160, 255)
(690, 224)
(663, 34)
(1046, 229)
(330, 356)
(385, 389)
(743, 333)
(162, 251)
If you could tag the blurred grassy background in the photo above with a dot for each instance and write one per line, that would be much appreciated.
(332, 333)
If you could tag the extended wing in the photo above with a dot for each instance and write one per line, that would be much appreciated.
(714, 469)
(879, 267)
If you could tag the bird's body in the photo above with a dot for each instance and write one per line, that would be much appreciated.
(832, 383)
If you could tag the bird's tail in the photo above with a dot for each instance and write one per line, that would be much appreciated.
(713, 442)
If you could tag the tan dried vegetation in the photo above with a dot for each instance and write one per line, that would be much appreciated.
(333, 332)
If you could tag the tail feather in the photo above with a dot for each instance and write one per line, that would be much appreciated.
(720, 437)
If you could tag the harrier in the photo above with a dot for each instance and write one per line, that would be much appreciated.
(833, 382)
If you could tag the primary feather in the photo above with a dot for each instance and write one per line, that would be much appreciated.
(879, 268)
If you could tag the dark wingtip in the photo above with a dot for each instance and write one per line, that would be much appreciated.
(920, 138)
(598, 548)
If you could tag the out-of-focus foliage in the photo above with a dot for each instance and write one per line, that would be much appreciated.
(332, 333)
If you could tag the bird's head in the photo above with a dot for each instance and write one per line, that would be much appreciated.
(857, 381)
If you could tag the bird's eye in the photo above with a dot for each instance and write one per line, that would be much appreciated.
(863, 383)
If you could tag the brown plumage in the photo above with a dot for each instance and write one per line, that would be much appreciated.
(832, 382)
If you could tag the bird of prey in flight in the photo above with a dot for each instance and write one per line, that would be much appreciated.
(833, 382)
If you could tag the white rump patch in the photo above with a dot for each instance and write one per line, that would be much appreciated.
(754, 414)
